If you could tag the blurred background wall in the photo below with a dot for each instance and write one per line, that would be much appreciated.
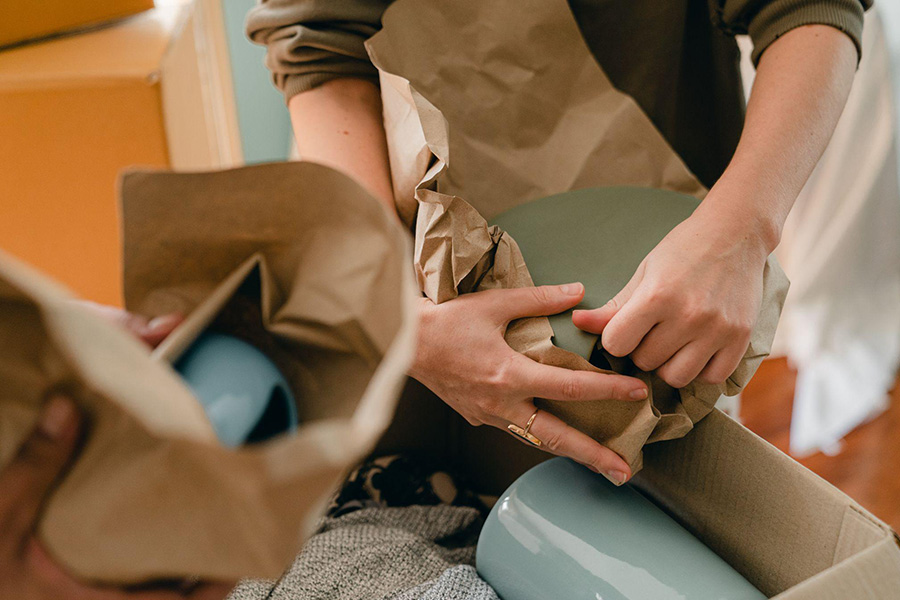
(178, 86)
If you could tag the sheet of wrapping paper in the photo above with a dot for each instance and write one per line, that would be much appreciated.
(488, 105)
(294, 257)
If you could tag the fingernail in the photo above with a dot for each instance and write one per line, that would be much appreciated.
(571, 289)
(639, 394)
(162, 323)
(56, 416)
(618, 476)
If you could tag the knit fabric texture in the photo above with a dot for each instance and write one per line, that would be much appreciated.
(397, 530)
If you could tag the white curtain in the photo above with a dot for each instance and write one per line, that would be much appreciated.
(841, 249)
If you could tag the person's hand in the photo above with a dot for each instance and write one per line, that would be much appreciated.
(150, 331)
(691, 305)
(27, 572)
(463, 357)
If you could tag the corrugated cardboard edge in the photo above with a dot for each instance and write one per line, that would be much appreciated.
(783, 527)
(872, 574)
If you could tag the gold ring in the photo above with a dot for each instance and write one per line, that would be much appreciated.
(525, 434)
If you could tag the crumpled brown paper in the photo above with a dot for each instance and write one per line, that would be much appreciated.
(489, 105)
(294, 257)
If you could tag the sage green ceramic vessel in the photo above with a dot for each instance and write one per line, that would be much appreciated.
(563, 532)
(597, 236)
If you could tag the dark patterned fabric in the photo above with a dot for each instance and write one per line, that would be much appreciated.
(402, 481)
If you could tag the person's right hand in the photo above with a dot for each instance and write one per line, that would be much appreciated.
(463, 357)
(27, 572)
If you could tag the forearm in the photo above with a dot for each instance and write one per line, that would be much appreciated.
(801, 86)
(339, 124)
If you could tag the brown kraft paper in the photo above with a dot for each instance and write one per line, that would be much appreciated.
(489, 105)
(297, 259)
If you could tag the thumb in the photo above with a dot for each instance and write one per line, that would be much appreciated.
(38, 464)
(516, 303)
(596, 320)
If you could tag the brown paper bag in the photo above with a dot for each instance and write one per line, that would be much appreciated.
(488, 105)
(296, 258)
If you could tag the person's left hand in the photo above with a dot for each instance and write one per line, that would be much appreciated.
(691, 305)
(150, 331)
(27, 572)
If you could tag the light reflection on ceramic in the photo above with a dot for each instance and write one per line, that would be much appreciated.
(243, 393)
(561, 531)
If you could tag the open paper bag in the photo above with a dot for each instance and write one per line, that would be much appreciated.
(295, 258)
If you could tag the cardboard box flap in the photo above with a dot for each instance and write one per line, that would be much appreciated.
(132, 49)
(872, 574)
(769, 517)
(859, 531)
(26, 20)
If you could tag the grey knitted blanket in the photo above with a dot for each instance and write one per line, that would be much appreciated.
(396, 531)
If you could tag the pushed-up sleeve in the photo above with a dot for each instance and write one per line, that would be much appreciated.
(767, 20)
(310, 42)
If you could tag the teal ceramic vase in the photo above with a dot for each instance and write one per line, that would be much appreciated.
(562, 531)
(243, 393)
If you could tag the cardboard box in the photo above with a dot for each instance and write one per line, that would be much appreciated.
(788, 531)
(75, 111)
(22, 20)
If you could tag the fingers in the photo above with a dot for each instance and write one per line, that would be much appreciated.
(623, 321)
(662, 343)
(212, 591)
(557, 383)
(510, 304)
(686, 365)
(72, 589)
(155, 331)
(151, 332)
(38, 464)
(628, 327)
(723, 363)
(702, 360)
(206, 591)
(596, 320)
(561, 439)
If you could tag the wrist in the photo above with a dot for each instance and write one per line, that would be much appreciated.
(745, 215)
(417, 368)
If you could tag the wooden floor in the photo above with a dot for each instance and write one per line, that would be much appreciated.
(867, 469)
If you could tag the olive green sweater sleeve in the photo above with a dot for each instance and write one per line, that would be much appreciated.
(309, 42)
(766, 21)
